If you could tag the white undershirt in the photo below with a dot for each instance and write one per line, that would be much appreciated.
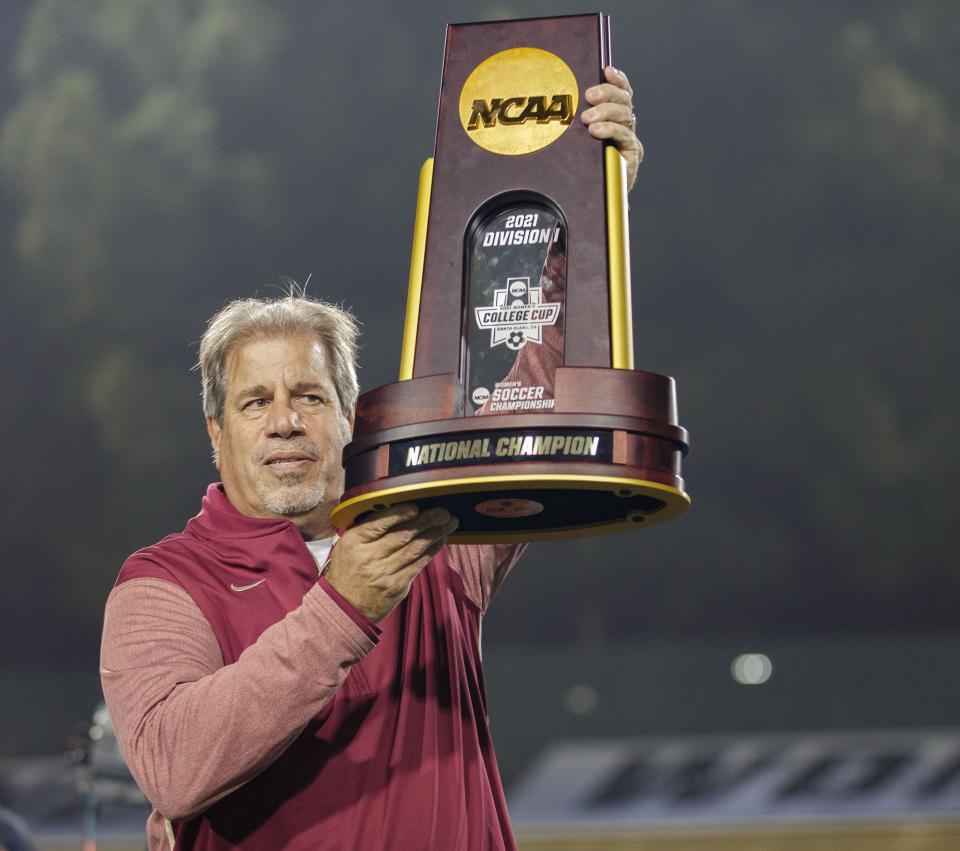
(320, 550)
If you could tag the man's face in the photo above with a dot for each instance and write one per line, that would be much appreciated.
(279, 449)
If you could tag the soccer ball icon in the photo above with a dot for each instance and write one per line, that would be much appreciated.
(515, 340)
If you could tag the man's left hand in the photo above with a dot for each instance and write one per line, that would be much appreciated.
(611, 117)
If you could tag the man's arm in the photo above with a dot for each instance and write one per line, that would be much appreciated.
(191, 729)
(483, 567)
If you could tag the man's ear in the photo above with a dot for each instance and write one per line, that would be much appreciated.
(214, 430)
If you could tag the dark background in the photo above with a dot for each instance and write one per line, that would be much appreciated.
(795, 267)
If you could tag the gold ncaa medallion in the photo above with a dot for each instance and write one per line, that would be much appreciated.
(518, 101)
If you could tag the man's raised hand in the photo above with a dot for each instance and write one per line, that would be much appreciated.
(375, 562)
(611, 116)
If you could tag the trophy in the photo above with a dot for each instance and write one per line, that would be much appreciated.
(518, 407)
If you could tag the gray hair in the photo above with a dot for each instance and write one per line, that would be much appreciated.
(288, 316)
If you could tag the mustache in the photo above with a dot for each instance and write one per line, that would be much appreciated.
(305, 447)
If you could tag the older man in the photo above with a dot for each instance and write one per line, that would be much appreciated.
(272, 691)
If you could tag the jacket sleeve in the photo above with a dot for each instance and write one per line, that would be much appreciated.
(191, 729)
(483, 567)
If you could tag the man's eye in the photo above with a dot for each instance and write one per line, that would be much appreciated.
(256, 403)
(312, 399)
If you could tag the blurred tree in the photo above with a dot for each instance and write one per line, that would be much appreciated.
(128, 193)
(815, 172)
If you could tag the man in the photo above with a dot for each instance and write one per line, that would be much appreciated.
(272, 691)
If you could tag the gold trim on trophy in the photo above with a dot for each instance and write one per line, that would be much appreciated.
(518, 487)
(618, 253)
(416, 270)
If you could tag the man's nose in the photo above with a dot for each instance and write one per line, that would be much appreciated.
(284, 420)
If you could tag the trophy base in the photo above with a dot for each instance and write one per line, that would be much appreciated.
(517, 508)
(607, 457)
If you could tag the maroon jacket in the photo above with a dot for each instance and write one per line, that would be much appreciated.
(398, 757)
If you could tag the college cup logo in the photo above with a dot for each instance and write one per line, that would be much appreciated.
(518, 315)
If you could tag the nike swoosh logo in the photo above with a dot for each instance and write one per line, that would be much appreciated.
(247, 587)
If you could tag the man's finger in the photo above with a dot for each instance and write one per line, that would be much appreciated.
(431, 539)
(608, 93)
(609, 112)
(436, 523)
(617, 78)
(427, 518)
(625, 140)
(427, 522)
(377, 524)
(421, 559)
(433, 549)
